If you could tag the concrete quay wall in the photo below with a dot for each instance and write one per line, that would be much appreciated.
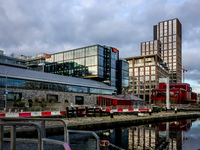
(100, 123)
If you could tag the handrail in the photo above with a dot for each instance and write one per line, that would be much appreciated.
(13, 133)
(65, 145)
(91, 132)
(42, 122)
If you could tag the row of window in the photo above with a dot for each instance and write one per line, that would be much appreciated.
(28, 84)
(11, 61)
(84, 52)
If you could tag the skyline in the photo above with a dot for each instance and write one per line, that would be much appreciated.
(50, 27)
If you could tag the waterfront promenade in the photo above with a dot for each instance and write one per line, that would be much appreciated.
(93, 123)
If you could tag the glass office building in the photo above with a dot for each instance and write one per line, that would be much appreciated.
(93, 62)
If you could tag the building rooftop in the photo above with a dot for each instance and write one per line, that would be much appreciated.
(18, 73)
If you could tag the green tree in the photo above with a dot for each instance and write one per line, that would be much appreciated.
(21, 103)
(30, 102)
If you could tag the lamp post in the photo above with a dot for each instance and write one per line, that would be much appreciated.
(6, 91)
(167, 93)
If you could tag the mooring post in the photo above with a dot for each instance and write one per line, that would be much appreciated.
(72, 111)
(94, 111)
(100, 112)
(76, 111)
(86, 111)
(67, 112)
(111, 114)
(150, 112)
(175, 110)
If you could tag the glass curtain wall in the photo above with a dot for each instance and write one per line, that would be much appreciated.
(77, 63)
(37, 85)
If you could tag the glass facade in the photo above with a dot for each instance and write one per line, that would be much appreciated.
(12, 60)
(37, 85)
(123, 75)
(95, 62)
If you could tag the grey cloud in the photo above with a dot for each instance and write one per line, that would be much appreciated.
(31, 27)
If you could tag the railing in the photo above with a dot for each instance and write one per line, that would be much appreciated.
(40, 141)
(124, 107)
(43, 122)
(13, 133)
(41, 132)
(90, 132)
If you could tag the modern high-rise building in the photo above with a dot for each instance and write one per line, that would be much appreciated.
(144, 74)
(168, 44)
(94, 62)
(160, 58)
(169, 33)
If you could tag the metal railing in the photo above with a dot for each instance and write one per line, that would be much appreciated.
(43, 124)
(124, 107)
(13, 133)
(40, 141)
(90, 132)
(9, 121)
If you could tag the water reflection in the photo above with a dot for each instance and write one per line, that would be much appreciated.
(177, 135)
(171, 135)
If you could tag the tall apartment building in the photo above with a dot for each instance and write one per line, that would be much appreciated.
(169, 33)
(144, 74)
(168, 41)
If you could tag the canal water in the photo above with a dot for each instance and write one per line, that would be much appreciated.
(176, 135)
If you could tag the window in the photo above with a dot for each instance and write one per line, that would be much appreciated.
(52, 98)
(141, 80)
(91, 51)
(79, 53)
(79, 100)
(68, 55)
(92, 70)
(58, 57)
(130, 63)
(91, 60)
(130, 72)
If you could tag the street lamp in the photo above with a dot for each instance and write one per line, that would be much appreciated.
(6, 91)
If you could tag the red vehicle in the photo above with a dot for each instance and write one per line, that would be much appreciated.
(179, 94)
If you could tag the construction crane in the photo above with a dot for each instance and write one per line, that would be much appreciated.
(184, 70)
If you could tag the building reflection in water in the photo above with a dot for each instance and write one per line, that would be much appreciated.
(160, 136)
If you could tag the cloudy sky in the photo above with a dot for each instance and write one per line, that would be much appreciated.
(49, 26)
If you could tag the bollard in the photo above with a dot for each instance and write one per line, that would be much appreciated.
(111, 114)
(150, 112)
(100, 112)
(76, 111)
(72, 111)
(67, 112)
(9, 111)
(4, 109)
(86, 111)
(21, 110)
(175, 110)
(94, 111)
(15, 110)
